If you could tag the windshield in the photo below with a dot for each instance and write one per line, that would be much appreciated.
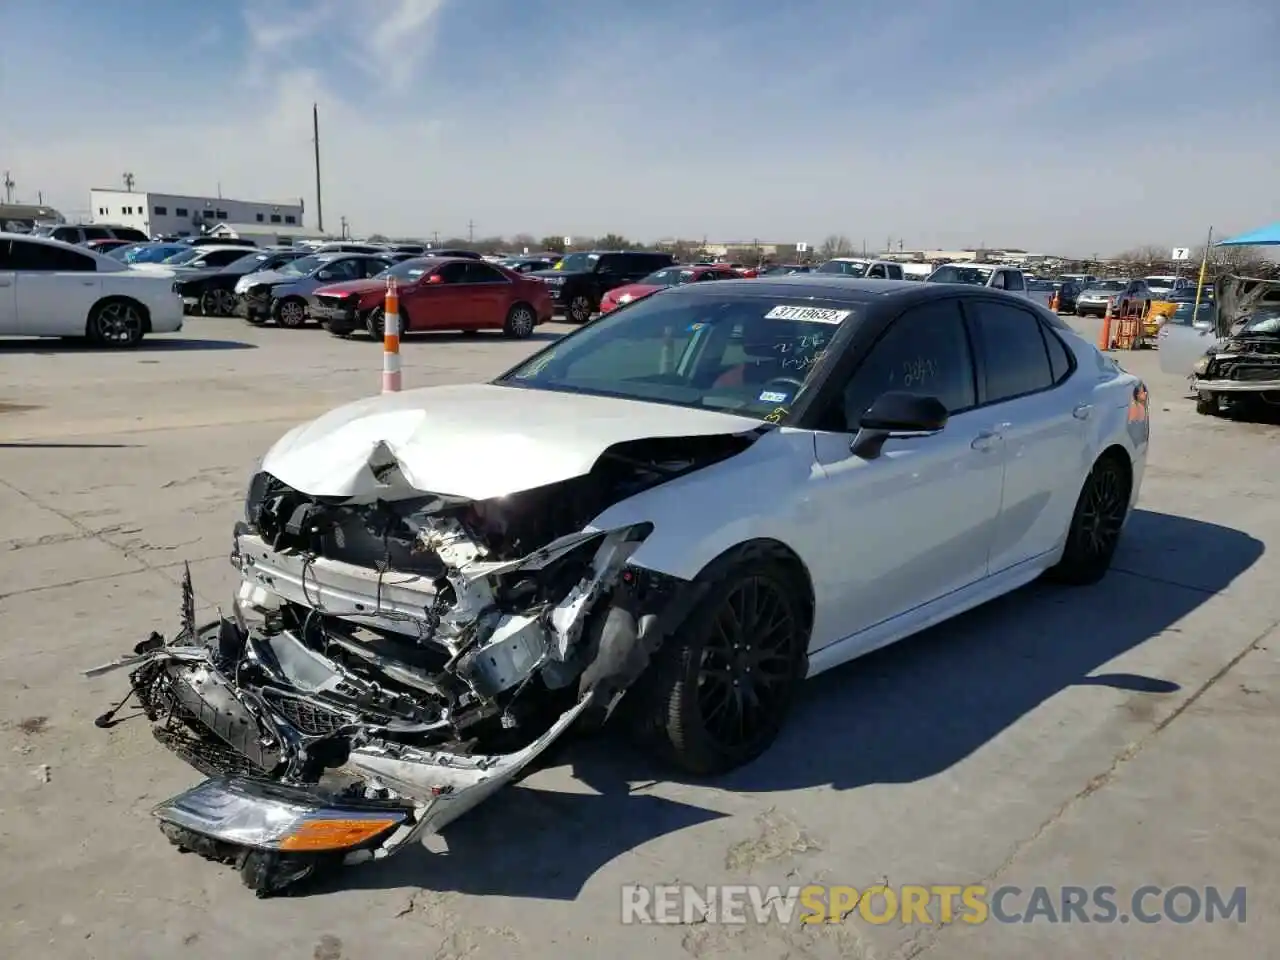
(974, 276)
(1100, 286)
(738, 353)
(578, 262)
(185, 256)
(121, 253)
(1041, 286)
(304, 266)
(1182, 312)
(848, 268)
(1268, 322)
(248, 263)
(148, 253)
(668, 277)
(407, 270)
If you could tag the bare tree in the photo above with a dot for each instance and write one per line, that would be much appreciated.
(836, 245)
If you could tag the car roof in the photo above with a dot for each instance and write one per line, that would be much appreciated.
(817, 285)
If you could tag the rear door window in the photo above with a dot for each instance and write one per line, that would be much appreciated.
(1016, 360)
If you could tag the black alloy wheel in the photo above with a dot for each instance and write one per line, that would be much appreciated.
(217, 302)
(376, 323)
(579, 309)
(1096, 525)
(116, 323)
(721, 686)
(747, 664)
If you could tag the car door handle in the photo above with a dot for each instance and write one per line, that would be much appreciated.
(5, 282)
(986, 440)
(87, 283)
(1082, 411)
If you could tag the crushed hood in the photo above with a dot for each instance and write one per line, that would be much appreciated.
(475, 441)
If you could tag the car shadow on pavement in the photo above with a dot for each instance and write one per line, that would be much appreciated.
(157, 344)
(902, 714)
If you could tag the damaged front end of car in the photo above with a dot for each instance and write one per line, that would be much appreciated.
(394, 658)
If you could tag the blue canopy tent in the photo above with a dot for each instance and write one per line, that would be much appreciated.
(1266, 237)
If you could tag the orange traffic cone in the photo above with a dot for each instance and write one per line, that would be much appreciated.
(1104, 335)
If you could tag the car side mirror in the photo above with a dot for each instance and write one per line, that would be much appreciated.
(324, 275)
(434, 278)
(897, 414)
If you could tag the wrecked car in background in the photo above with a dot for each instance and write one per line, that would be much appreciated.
(1231, 359)
(671, 516)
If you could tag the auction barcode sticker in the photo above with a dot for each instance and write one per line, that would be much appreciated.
(808, 314)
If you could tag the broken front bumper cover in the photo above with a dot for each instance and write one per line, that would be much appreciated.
(250, 811)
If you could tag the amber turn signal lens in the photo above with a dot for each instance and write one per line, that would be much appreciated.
(336, 834)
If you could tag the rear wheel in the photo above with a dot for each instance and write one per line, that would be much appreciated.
(579, 310)
(376, 323)
(722, 686)
(520, 322)
(1095, 526)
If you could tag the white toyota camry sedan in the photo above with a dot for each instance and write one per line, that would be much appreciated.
(672, 516)
(53, 289)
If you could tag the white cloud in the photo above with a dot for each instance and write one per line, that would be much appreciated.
(401, 39)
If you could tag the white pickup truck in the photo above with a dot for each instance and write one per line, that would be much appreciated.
(992, 275)
(862, 267)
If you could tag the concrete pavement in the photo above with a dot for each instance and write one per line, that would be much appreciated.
(1118, 734)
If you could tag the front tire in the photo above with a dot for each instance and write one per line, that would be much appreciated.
(722, 686)
(520, 322)
(118, 324)
(291, 312)
(1207, 404)
(1095, 528)
(217, 303)
(376, 323)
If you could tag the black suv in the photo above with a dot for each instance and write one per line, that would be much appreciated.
(83, 233)
(581, 279)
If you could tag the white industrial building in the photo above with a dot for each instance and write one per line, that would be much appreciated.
(170, 214)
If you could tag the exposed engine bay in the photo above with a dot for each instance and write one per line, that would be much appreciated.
(391, 661)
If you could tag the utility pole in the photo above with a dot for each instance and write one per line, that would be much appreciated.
(315, 139)
(128, 182)
(40, 198)
(471, 231)
(8, 187)
(342, 222)
(435, 238)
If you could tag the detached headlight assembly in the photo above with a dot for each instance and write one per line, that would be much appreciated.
(254, 496)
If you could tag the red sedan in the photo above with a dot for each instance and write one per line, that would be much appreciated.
(437, 293)
(666, 277)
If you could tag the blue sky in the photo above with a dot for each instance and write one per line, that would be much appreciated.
(1076, 128)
